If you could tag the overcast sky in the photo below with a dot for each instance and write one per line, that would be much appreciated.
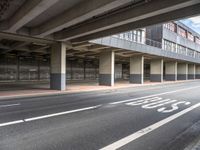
(193, 23)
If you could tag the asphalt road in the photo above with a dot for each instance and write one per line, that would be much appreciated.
(160, 117)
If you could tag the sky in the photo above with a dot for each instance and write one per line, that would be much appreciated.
(193, 23)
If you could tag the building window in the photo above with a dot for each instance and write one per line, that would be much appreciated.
(171, 26)
(190, 52)
(181, 49)
(197, 40)
(134, 36)
(182, 32)
(169, 46)
(190, 36)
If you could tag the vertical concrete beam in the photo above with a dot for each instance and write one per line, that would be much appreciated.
(191, 71)
(58, 67)
(171, 71)
(18, 69)
(106, 68)
(182, 71)
(156, 70)
(197, 72)
(137, 69)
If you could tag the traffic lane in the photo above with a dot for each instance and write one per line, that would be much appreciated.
(175, 135)
(165, 104)
(93, 99)
(95, 94)
(7, 116)
(106, 124)
(21, 112)
(86, 130)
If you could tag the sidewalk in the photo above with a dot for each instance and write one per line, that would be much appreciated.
(12, 90)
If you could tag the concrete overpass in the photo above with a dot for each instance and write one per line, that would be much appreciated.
(42, 27)
(63, 20)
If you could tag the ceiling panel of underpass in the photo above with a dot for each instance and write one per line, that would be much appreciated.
(53, 11)
(8, 8)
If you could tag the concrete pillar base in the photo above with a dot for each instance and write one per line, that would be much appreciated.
(182, 77)
(105, 79)
(156, 78)
(191, 76)
(197, 76)
(58, 67)
(156, 70)
(136, 69)
(106, 68)
(170, 77)
(136, 78)
(57, 81)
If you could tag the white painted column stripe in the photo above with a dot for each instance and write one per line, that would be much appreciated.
(142, 132)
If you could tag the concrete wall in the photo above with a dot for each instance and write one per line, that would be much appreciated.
(137, 69)
(106, 68)
(171, 71)
(142, 48)
(23, 68)
(191, 71)
(197, 72)
(182, 71)
(156, 70)
(171, 36)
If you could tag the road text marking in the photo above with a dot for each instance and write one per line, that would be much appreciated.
(129, 100)
(159, 103)
(142, 132)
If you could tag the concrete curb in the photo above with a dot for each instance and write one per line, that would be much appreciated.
(55, 93)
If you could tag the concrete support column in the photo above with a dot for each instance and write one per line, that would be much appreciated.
(191, 71)
(106, 68)
(137, 69)
(58, 67)
(182, 71)
(171, 71)
(156, 70)
(197, 71)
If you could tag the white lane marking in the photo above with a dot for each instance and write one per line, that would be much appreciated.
(9, 105)
(129, 100)
(48, 116)
(61, 113)
(11, 123)
(142, 132)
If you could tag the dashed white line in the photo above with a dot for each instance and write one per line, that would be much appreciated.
(142, 132)
(129, 100)
(9, 105)
(48, 116)
(61, 113)
(11, 123)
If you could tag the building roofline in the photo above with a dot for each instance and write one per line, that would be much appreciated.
(187, 28)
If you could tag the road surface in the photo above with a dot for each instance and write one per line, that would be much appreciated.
(159, 117)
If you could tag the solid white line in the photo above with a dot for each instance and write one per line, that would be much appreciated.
(10, 123)
(9, 105)
(61, 113)
(140, 133)
(129, 100)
